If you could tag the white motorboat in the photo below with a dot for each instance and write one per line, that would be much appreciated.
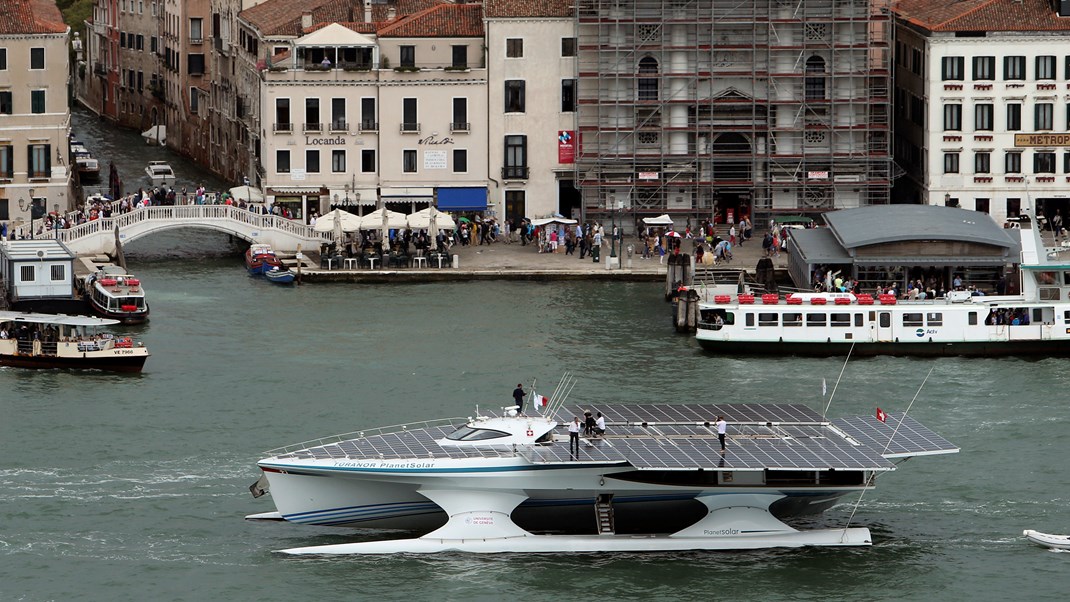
(1057, 542)
(1035, 322)
(160, 173)
(657, 480)
(84, 162)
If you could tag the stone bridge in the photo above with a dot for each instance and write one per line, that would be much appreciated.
(98, 236)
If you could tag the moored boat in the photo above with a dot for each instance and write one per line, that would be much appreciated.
(160, 173)
(494, 483)
(961, 322)
(280, 276)
(113, 293)
(87, 166)
(1056, 542)
(29, 340)
(260, 258)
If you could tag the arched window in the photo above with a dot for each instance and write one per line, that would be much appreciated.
(648, 86)
(815, 78)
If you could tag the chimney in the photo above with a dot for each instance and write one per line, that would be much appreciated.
(367, 11)
(306, 20)
(391, 13)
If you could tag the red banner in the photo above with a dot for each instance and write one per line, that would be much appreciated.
(566, 146)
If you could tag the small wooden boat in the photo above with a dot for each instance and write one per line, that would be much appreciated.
(1057, 542)
(280, 276)
(260, 258)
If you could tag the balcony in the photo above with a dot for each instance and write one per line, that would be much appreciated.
(100, 69)
(313, 127)
(369, 126)
(515, 172)
(339, 125)
(458, 126)
(198, 40)
(283, 128)
(410, 128)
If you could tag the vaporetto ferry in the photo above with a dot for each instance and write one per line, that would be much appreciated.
(1035, 322)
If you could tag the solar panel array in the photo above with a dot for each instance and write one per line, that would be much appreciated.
(679, 437)
(911, 438)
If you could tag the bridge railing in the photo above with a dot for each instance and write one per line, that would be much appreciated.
(192, 213)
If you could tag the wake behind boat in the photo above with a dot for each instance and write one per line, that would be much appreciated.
(499, 483)
(29, 340)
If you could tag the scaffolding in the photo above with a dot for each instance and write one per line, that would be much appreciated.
(722, 108)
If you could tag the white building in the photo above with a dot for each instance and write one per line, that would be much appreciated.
(981, 104)
(531, 63)
(36, 270)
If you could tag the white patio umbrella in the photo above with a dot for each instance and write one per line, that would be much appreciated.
(155, 134)
(247, 193)
(431, 219)
(346, 221)
(661, 220)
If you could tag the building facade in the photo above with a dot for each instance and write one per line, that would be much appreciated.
(982, 118)
(716, 108)
(531, 66)
(35, 121)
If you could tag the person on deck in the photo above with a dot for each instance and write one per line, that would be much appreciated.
(518, 397)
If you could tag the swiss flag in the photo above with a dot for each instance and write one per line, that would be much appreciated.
(881, 415)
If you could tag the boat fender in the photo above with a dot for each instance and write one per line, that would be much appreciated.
(896, 339)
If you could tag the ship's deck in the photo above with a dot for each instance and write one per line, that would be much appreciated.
(673, 437)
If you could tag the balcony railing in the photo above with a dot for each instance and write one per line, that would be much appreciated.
(339, 125)
(313, 127)
(284, 127)
(196, 40)
(410, 128)
(515, 172)
(460, 126)
(100, 69)
(369, 126)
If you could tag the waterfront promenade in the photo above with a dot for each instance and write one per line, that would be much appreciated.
(505, 261)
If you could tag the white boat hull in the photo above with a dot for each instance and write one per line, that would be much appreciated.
(1056, 542)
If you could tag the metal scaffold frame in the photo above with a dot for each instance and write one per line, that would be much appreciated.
(701, 107)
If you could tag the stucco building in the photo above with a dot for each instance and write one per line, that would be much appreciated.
(35, 174)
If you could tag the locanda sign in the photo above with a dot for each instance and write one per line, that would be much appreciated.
(336, 141)
(434, 140)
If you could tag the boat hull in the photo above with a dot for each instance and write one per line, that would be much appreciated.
(112, 363)
(348, 501)
(866, 349)
(280, 276)
(1056, 542)
(127, 318)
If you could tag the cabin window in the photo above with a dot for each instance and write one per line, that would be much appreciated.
(767, 320)
(912, 320)
(973, 318)
(1048, 293)
(858, 320)
(815, 319)
(59, 273)
(750, 320)
(1038, 315)
(467, 433)
(794, 319)
(934, 319)
(1066, 278)
(840, 320)
(27, 274)
(886, 320)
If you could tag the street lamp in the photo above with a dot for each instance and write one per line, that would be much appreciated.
(947, 199)
(613, 216)
(335, 201)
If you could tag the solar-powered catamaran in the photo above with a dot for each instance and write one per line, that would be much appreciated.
(509, 483)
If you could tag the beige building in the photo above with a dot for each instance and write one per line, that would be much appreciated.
(531, 64)
(186, 77)
(385, 109)
(35, 174)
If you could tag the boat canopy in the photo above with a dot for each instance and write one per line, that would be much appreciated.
(58, 319)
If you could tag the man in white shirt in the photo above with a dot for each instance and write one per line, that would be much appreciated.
(722, 430)
(600, 425)
(574, 436)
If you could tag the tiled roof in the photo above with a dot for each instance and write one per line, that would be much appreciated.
(982, 15)
(529, 8)
(283, 17)
(442, 21)
(30, 16)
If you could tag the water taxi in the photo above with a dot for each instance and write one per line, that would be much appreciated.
(160, 173)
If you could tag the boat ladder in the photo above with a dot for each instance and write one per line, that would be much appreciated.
(603, 509)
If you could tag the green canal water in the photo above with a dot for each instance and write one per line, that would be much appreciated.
(135, 487)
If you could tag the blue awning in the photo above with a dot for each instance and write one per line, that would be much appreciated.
(462, 199)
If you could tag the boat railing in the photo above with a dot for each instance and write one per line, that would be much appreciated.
(47, 348)
(383, 430)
